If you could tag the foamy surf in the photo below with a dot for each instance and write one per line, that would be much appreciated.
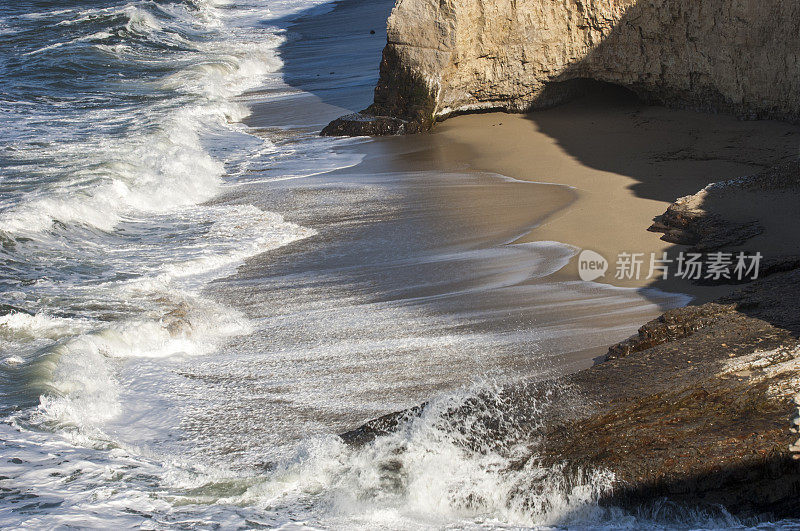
(106, 231)
(165, 315)
(437, 469)
(176, 353)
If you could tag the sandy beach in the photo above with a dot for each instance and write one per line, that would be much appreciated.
(600, 170)
(623, 161)
(691, 407)
(590, 174)
(203, 294)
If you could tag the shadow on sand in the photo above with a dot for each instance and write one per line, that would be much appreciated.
(336, 61)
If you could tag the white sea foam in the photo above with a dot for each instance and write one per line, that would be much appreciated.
(149, 174)
(436, 470)
(152, 180)
(156, 175)
(428, 474)
(159, 166)
(240, 232)
(80, 373)
(21, 325)
(127, 244)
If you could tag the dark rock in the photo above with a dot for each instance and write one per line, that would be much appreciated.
(6, 309)
(697, 406)
(363, 124)
(771, 299)
(384, 425)
(404, 104)
(674, 324)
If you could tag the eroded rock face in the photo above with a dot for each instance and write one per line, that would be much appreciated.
(451, 56)
(702, 413)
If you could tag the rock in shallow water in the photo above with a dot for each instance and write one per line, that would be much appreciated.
(363, 124)
(697, 408)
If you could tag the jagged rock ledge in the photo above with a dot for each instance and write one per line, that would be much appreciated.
(364, 124)
(698, 407)
(729, 213)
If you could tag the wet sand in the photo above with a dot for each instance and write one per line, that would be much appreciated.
(626, 162)
(428, 272)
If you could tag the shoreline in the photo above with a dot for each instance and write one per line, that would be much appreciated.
(669, 412)
(600, 189)
(729, 366)
(601, 147)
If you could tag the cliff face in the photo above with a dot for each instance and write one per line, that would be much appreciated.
(449, 56)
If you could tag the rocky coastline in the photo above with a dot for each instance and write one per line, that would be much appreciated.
(455, 56)
(702, 406)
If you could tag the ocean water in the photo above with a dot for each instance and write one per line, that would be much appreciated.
(199, 292)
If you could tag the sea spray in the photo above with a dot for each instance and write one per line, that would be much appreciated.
(135, 394)
(467, 456)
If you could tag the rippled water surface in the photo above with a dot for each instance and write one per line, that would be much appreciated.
(198, 292)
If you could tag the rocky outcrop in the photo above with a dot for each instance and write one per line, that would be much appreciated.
(699, 407)
(365, 124)
(705, 418)
(730, 213)
(404, 103)
(673, 325)
(452, 56)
